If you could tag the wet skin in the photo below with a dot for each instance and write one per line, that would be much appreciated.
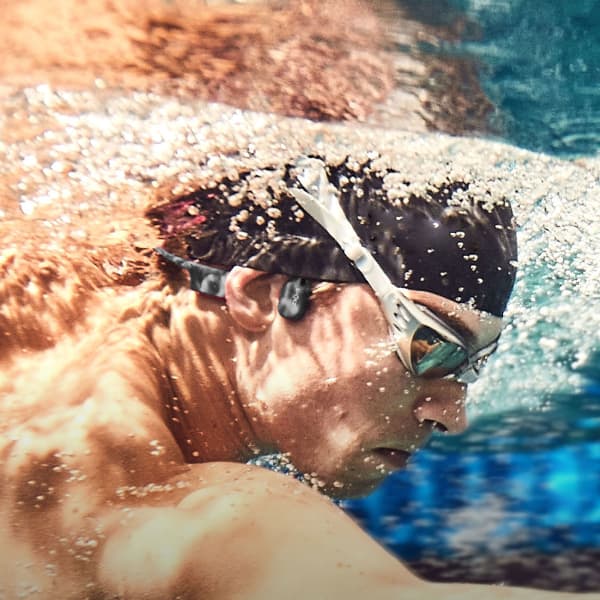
(328, 390)
(100, 437)
(332, 392)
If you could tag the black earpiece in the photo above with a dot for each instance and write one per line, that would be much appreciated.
(294, 299)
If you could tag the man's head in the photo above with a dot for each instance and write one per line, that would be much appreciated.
(441, 239)
(331, 389)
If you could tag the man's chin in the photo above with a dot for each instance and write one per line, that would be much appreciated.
(346, 490)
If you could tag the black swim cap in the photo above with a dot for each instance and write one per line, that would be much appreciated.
(443, 240)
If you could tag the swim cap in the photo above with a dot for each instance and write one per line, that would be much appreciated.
(444, 240)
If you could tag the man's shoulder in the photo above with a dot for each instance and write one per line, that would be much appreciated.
(85, 406)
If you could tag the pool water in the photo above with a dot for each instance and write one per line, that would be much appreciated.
(539, 64)
(516, 499)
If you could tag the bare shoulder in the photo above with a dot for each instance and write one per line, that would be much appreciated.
(85, 411)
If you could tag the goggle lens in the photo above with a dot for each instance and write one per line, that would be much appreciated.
(434, 356)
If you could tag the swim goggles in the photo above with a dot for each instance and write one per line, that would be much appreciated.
(424, 343)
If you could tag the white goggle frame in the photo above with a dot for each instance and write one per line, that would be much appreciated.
(321, 200)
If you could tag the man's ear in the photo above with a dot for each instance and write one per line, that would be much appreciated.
(252, 297)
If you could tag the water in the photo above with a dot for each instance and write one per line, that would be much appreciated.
(539, 63)
(516, 499)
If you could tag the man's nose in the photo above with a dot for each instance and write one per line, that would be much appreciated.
(443, 404)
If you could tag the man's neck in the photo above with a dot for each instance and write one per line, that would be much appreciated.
(198, 349)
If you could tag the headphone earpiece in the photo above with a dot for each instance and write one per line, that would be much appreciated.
(294, 299)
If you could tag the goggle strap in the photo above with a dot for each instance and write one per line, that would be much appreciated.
(203, 278)
(323, 206)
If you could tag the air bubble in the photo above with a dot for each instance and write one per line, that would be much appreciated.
(243, 215)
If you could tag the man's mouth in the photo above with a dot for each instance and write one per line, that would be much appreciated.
(393, 457)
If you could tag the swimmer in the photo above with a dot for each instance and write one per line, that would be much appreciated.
(327, 321)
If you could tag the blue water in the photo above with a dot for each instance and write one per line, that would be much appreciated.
(539, 65)
(516, 499)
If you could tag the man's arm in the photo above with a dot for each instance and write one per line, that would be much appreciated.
(242, 532)
(252, 534)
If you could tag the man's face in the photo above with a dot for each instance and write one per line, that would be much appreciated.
(334, 395)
